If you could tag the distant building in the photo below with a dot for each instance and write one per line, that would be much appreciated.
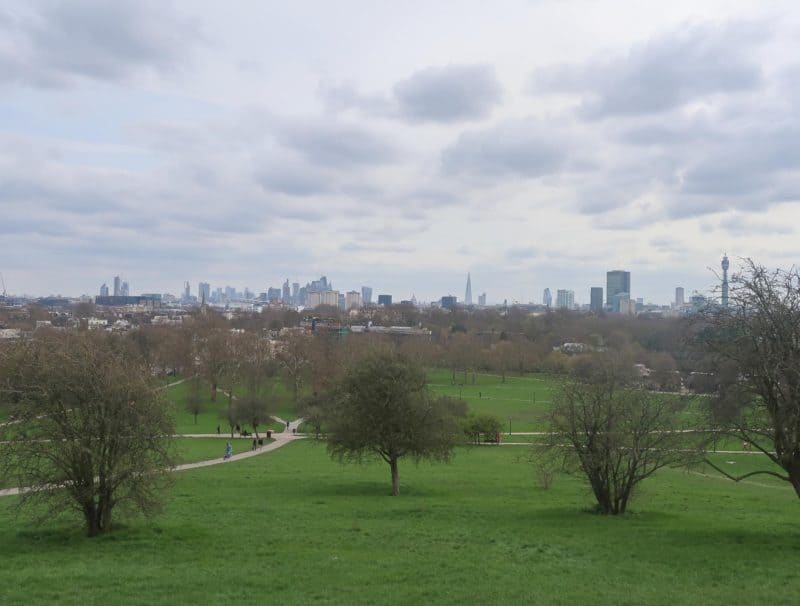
(547, 298)
(449, 301)
(384, 299)
(468, 292)
(617, 281)
(295, 293)
(679, 297)
(620, 302)
(340, 301)
(327, 297)
(565, 299)
(125, 290)
(352, 300)
(104, 290)
(117, 285)
(366, 295)
(187, 291)
(482, 300)
(596, 299)
(286, 295)
(273, 294)
(204, 292)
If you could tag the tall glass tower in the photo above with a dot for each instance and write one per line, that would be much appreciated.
(617, 282)
(468, 293)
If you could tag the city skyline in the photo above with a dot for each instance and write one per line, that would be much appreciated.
(291, 287)
(534, 145)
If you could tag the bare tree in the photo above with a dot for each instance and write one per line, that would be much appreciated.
(194, 403)
(91, 433)
(383, 408)
(294, 355)
(756, 341)
(614, 435)
(211, 341)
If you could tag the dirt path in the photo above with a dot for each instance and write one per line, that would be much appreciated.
(281, 439)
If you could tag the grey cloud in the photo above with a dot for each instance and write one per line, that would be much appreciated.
(94, 39)
(375, 247)
(453, 93)
(522, 148)
(449, 94)
(336, 144)
(664, 72)
(294, 180)
(741, 224)
(522, 253)
(344, 95)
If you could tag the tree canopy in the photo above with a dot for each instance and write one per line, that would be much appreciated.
(89, 433)
(383, 408)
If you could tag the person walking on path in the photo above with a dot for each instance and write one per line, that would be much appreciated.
(217, 429)
(228, 451)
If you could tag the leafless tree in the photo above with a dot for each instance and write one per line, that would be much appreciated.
(614, 435)
(294, 355)
(756, 341)
(91, 433)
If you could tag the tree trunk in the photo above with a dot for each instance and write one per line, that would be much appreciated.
(213, 391)
(395, 477)
(794, 478)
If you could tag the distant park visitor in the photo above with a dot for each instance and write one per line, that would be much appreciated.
(228, 451)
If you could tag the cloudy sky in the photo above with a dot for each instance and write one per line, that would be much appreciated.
(397, 144)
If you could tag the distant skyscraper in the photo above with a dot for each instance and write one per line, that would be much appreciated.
(366, 295)
(204, 292)
(295, 293)
(596, 299)
(104, 290)
(384, 299)
(565, 299)
(725, 265)
(187, 291)
(125, 290)
(286, 295)
(117, 284)
(449, 301)
(547, 298)
(617, 282)
(679, 297)
(482, 300)
(468, 293)
(352, 300)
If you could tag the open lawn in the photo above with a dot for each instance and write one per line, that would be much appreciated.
(293, 526)
(523, 400)
(209, 418)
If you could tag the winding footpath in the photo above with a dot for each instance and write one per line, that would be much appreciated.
(281, 439)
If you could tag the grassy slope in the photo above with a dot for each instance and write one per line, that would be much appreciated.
(524, 399)
(207, 420)
(474, 532)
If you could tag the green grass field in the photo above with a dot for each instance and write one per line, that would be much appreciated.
(522, 400)
(292, 526)
(209, 418)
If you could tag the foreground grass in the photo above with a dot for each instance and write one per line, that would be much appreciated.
(295, 527)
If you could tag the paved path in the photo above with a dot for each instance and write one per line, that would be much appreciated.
(281, 439)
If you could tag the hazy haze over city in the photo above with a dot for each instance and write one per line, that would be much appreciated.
(396, 144)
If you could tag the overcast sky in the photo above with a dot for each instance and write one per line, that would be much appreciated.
(396, 144)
